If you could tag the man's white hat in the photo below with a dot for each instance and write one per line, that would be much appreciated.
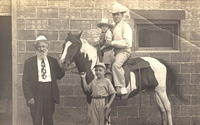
(118, 8)
(41, 37)
(105, 21)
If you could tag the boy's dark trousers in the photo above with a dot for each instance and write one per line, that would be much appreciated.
(44, 106)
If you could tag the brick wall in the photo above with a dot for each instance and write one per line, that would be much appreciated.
(55, 18)
(5, 7)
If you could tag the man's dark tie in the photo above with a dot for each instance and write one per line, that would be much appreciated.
(43, 70)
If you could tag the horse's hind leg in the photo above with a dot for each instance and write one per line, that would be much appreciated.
(162, 109)
(165, 101)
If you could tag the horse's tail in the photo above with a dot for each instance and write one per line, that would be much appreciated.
(171, 82)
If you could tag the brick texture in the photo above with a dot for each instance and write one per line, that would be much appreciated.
(55, 18)
(47, 12)
(26, 12)
(5, 8)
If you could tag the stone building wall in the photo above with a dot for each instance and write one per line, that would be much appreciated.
(54, 18)
(5, 7)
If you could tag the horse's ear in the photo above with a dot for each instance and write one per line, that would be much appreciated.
(80, 34)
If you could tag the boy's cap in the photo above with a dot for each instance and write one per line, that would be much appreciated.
(105, 21)
(100, 64)
(41, 37)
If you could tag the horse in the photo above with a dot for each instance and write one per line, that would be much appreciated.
(85, 57)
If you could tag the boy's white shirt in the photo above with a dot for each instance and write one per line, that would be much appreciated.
(122, 35)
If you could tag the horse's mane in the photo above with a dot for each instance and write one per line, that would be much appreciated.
(90, 51)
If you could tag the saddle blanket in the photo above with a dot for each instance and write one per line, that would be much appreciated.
(139, 74)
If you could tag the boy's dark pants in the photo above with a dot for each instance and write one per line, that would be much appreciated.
(44, 106)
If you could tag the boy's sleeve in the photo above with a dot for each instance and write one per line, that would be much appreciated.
(111, 89)
(108, 36)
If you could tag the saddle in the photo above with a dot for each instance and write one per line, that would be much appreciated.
(136, 64)
(144, 74)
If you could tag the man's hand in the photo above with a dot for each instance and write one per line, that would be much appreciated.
(31, 101)
(60, 63)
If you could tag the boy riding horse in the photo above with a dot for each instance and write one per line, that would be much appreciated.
(122, 43)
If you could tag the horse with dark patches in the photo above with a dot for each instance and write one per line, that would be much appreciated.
(150, 72)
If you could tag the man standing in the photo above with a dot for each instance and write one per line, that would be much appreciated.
(40, 83)
(122, 43)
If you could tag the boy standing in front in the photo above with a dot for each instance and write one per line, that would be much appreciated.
(102, 93)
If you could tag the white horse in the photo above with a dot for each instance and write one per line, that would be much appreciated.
(85, 57)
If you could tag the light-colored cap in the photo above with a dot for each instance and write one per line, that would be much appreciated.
(41, 37)
(118, 8)
(105, 21)
(100, 64)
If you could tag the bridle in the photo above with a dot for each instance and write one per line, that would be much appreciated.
(71, 69)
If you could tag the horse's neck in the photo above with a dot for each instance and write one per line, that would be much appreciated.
(87, 57)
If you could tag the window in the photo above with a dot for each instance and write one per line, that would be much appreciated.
(157, 34)
(157, 29)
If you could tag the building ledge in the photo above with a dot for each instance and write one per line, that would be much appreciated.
(158, 14)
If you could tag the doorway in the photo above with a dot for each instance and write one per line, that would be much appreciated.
(5, 70)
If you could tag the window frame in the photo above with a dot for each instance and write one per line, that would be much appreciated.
(176, 39)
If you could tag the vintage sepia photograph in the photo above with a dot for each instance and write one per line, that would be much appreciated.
(100, 62)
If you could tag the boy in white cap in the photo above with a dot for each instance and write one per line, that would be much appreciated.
(39, 83)
(106, 37)
(102, 93)
(122, 43)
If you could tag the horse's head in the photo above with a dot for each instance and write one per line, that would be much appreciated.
(71, 47)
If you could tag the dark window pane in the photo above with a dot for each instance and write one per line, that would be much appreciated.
(157, 35)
